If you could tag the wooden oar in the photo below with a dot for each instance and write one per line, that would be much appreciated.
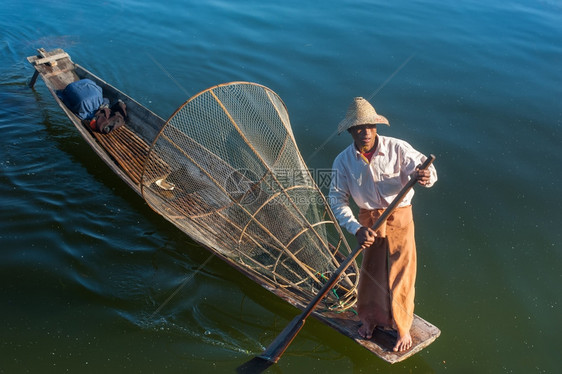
(273, 352)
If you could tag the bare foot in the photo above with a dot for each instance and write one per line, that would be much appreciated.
(366, 332)
(403, 343)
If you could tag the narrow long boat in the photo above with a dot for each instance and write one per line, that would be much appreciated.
(237, 201)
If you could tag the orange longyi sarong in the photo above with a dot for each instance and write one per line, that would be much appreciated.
(388, 271)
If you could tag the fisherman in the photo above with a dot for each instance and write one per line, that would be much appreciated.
(372, 171)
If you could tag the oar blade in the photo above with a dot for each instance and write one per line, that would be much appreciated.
(254, 366)
(274, 351)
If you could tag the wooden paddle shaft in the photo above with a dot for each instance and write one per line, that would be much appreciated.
(274, 351)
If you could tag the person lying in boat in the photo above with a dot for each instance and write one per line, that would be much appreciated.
(372, 170)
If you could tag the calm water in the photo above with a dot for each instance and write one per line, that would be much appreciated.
(86, 267)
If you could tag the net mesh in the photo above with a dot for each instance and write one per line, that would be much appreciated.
(225, 169)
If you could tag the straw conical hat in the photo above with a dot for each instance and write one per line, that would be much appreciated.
(360, 112)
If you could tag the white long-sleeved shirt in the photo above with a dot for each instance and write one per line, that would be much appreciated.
(375, 184)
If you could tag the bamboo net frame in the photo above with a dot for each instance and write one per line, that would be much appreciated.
(224, 169)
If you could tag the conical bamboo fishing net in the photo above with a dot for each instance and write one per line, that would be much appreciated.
(225, 168)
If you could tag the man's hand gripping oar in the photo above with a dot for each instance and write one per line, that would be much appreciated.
(275, 350)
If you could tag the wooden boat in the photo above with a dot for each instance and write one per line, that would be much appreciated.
(127, 151)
